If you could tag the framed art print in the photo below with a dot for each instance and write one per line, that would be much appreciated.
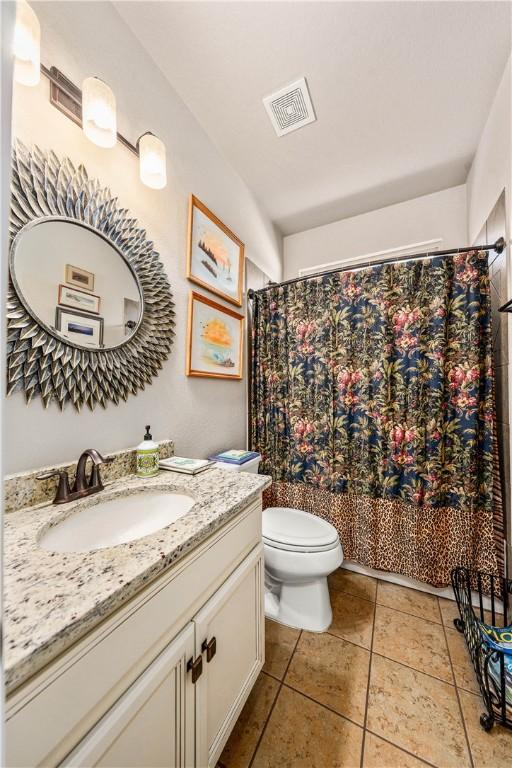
(215, 339)
(75, 299)
(80, 327)
(215, 256)
(79, 278)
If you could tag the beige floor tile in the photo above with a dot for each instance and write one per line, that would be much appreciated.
(302, 734)
(379, 754)
(249, 726)
(408, 600)
(331, 671)
(412, 641)
(449, 612)
(354, 583)
(417, 713)
(279, 644)
(462, 666)
(489, 750)
(352, 618)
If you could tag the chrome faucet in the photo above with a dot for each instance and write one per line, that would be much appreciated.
(81, 487)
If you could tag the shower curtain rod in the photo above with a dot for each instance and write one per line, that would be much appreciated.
(498, 246)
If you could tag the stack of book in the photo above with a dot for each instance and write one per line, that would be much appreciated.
(235, 457)
(187, 466)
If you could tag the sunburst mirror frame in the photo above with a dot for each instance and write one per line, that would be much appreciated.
(41, 363)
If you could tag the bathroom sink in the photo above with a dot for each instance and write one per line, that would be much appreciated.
(116, 521)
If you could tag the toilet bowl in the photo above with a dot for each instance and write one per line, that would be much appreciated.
(300, 551)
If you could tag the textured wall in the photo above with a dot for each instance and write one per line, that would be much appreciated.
(200, 415)
(440, 215)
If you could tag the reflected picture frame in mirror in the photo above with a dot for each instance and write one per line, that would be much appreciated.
(67, 273)
(40, 363)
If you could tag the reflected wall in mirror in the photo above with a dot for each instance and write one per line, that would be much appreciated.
(90, 314)
(43, 259)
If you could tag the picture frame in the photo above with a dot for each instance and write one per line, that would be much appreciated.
(215, 255)
(79, 278)
(74, 298)
(81, 328)
(214, 340)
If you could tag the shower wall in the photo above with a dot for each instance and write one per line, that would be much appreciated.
(495, 227)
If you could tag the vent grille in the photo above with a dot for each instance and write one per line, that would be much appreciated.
(290, 108)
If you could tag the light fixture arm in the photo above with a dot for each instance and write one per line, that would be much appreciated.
(67, 98)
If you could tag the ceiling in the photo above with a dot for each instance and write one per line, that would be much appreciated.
(401, 91)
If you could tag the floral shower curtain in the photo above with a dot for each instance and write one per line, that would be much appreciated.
(372, 406)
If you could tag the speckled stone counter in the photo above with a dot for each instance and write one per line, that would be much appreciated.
(53, 599)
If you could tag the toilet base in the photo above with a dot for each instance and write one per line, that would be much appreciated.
(303, 605)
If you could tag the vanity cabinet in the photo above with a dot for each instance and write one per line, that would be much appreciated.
(231, 627)
(162, 682)
(152, 724)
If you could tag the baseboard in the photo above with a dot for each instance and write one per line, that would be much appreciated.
(405, 581)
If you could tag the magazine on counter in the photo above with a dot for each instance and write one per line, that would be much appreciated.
(187, 466)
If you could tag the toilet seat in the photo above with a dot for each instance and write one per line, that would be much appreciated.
(294, 530)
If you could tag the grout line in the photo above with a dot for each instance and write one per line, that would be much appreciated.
(269, 674)
(408, 613)
(414, 669)
(281, 683)
(407, 752)
(393, 608)
(292, 654)
(351, 642)
(368, 682)
(458, 699)
(321, 704)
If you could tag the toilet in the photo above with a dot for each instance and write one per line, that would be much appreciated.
(300, 551)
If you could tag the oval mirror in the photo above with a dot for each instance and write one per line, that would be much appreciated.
(76, 283)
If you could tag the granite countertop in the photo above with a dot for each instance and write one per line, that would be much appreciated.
(52, 599)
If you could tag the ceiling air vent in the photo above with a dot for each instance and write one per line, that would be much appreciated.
(290, 108)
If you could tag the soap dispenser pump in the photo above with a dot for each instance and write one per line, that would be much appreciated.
(147, 456)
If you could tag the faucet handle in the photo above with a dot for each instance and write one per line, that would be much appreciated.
(63, 490)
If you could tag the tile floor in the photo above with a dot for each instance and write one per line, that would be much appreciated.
(389, 686)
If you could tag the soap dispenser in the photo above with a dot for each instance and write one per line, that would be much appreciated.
(147, 456)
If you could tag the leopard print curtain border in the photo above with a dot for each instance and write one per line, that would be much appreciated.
(390, 535)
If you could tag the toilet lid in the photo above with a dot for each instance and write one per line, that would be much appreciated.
(287, 528)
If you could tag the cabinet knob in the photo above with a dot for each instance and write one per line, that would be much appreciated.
(196, 665)
(210, 648)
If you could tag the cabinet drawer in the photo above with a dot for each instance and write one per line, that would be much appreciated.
(64, 701)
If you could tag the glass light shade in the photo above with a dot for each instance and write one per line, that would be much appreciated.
(27, 45)
(99, 119)
(152, 164)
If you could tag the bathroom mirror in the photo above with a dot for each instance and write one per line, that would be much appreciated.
(76, 283)
(90, 314)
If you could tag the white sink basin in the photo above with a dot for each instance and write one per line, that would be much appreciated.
(116, 521)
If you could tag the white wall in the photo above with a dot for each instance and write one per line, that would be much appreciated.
(491, 170)
(490, 176)
(200, 415)
(439, 215)
(7, 16)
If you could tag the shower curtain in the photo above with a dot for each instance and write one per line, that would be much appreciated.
(372, 407)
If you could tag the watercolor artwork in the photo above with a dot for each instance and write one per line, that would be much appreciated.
(215, 254)
(215, 336)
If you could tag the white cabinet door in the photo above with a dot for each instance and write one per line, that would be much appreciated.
(152, 724)
(231, 622)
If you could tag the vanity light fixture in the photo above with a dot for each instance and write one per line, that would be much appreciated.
(152, 163)
(99, 120)
(94, 108)
(27, 45)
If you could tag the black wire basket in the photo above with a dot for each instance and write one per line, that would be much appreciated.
(491, 668)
